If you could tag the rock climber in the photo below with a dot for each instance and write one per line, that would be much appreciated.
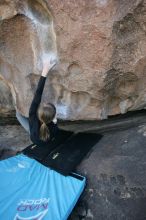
(42, 121)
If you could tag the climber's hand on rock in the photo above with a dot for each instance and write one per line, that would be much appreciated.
(47, 66)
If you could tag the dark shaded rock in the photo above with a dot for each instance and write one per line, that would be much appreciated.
(12, 139)
(116, 177)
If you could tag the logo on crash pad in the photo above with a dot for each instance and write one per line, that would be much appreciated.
(39, 216)
(34, 209)
(55, 155)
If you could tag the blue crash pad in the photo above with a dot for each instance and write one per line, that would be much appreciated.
(31, 191)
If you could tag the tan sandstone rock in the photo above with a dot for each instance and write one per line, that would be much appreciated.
(6, 102)
(101, 46)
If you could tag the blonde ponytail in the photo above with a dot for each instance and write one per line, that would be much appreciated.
(45, 116)
(44, 132)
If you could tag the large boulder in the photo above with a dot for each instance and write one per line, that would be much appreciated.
(101, 45)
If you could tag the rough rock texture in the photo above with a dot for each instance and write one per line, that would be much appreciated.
(101, 46)
(6, 101)
(116, 181)
(10, 144)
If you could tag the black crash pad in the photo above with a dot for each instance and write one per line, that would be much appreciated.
(65, 158)
(39, 153)
(68, 150)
